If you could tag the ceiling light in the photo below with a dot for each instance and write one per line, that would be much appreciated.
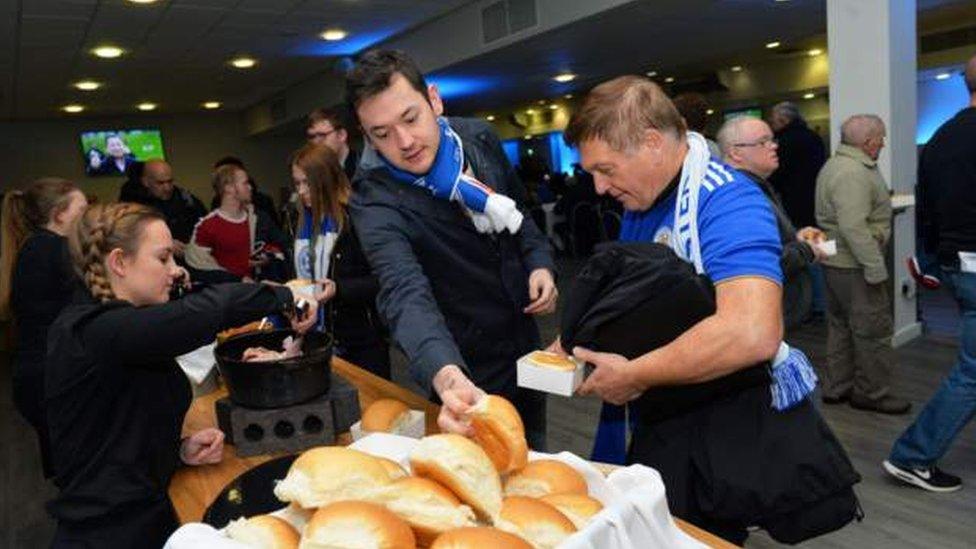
(943, 76)
(553, 107)
(810, 95)
(243, 62)
(814, 52)
(737, 68)
(540, 102)
(88, 85)
(108, 52)
(143, 1)
(651, 74)
(490, 118)
(530, 112)
(211, 105)
(568, 96)
(564, 77)
(73, 108)
(771, 45)
(146, 106)
(669, 79)
(527, 137)
(710, 112)
(334, 35)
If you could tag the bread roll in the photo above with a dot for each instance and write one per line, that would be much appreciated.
(577, 507)
(263, 532)
(548, 359)
(428, 507)
(481, 537)
(393, 469)
(326, 474)
(355, 525)
(385, 415)
(539, 523)
(545, 477)
(499, 431)
(463, 467)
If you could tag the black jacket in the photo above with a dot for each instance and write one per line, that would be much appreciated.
(449, 294)
(351, 314)
(947, 188)
(801, 155)
(116, 398)
(182, 210)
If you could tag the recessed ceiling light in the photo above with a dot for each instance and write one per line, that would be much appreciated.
(943, 76)
(243, 62)
(530, 112)
(88, 85)
(553, 107)
(771, 45)
(737, 68)
(143, 1)
(814, 52)
(73, 108)
(669, 79)
(568, 96)
(490, 118)
(564, 77)
(540, 102)
(334, 35)
(710, 112)
(147, 106)
(108, 52)
(211, 105)
(527, 137)
(651, 74)
(809, 95)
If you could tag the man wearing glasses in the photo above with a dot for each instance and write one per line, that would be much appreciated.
(748, 145)
(854, 208)
(327, 127)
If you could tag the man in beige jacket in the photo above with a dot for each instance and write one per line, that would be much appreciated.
(854, 208)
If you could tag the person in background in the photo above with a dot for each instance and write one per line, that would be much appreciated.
(327, 250)
(748, 145)
(152, 184)
(947, 184)
(458, 294)
(234, 242)
(116, 398)
(118, 156)
(854, 208)
(801, 155)
(327, 126)
(263, 202)
(693, 107)
(37, 282)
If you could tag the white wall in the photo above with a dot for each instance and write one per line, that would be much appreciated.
(31, 149)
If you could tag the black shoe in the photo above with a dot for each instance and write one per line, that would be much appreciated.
(839, 399)
(885, 405)
(931, 478)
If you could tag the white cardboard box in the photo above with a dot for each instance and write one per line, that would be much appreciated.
(414, 427)
(549, 380)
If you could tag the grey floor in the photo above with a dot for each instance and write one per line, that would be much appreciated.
(897, 516)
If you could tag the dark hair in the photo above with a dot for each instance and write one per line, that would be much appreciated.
(336, 116)
(374, 70)
(229, 161)
(694, 109)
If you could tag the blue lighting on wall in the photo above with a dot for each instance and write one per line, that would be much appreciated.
(511, 148)
(351, 45)
(458, 86)
(938, 101)
(563, 156)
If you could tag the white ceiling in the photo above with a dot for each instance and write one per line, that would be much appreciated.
(178, 49)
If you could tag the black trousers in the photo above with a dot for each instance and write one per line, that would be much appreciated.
(28, 396)
(141, 527)
(374, 357)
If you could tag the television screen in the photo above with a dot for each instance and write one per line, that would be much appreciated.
(754, 112)
(111, 152)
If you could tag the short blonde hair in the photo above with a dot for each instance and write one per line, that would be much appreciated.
(621, 110)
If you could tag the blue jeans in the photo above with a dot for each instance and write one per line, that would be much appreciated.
(954, 403)
(819, 302)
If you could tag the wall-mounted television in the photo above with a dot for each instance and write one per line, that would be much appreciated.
(110, 152)
(754, 112)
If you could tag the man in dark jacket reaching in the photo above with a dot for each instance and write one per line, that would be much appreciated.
(440, 214)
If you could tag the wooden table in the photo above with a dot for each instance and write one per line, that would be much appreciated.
(193, 489)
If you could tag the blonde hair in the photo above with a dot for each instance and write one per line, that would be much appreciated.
(100, 230)
(26, 211)
(327, 183)
(224, 176)
(621, 110)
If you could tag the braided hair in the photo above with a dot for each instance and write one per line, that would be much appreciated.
(100, 230)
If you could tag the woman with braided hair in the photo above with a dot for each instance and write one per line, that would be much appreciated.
(37, 282)
(116, 398)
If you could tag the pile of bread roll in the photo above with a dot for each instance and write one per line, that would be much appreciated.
(463, 493)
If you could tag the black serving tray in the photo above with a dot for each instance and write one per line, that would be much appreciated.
(251, 493)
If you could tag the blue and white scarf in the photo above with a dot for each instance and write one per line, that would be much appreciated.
(491, 212)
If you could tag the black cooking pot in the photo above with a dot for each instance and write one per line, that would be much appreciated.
(277, 383)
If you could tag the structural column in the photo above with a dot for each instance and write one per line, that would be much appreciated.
(873, 66)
